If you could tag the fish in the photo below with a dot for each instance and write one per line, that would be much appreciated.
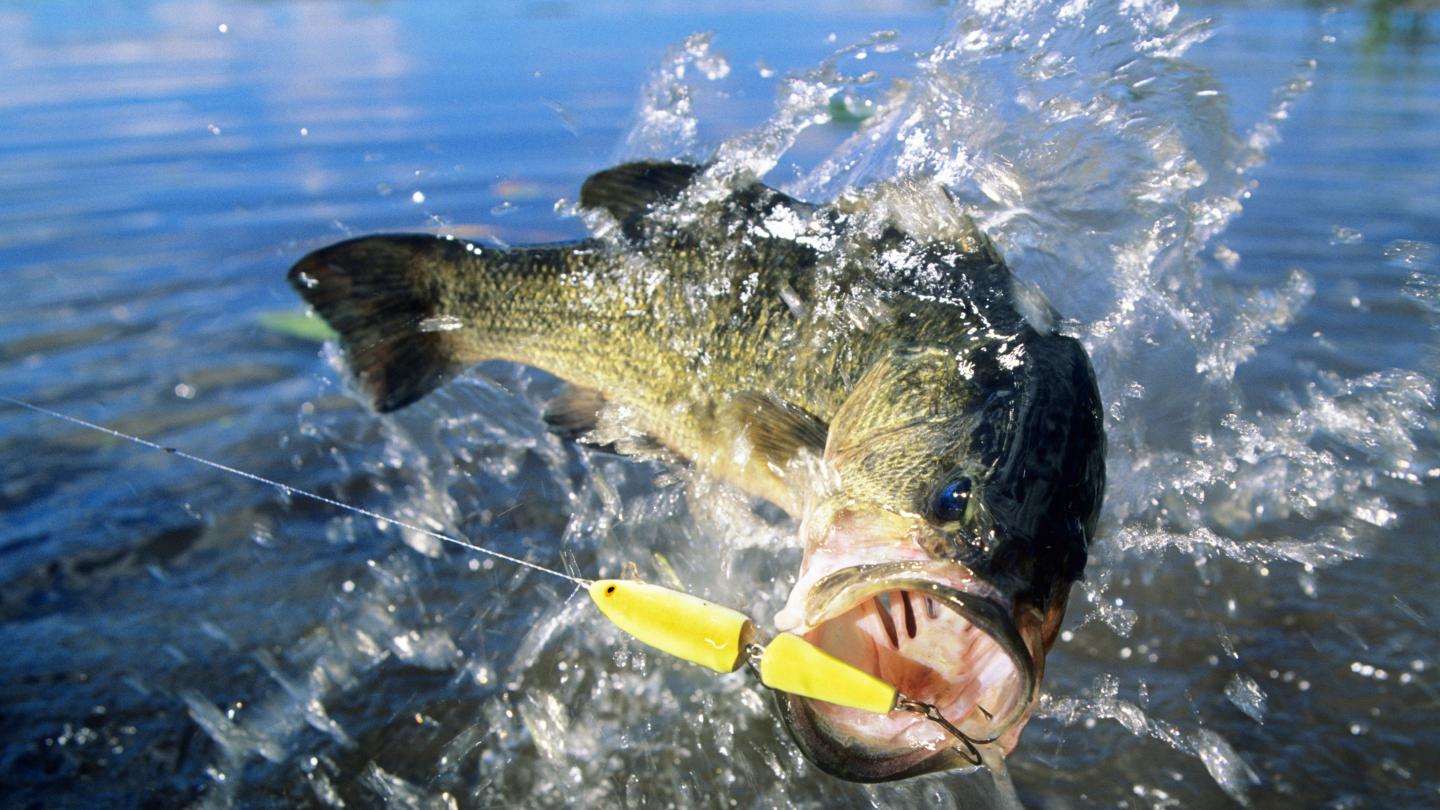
(868, 365)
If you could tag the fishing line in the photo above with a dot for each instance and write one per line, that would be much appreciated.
(674, 622)
(289, 490)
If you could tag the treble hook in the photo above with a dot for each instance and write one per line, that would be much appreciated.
(755, 655)
(932, 713)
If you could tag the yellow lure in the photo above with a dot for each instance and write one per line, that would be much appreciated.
(792, 664)
(677, 623)
(712, 636)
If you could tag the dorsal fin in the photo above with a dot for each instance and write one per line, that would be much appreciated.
(629, 190)
(921, 209)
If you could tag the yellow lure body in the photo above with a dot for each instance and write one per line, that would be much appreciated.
(792, 664)
(677, 623)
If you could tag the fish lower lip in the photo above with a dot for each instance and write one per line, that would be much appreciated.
(935, 642)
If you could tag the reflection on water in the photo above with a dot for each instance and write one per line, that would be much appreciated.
(1238, 217)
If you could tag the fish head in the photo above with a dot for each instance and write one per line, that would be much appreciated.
(965, 489)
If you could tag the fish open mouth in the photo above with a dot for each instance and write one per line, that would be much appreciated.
(939, 641)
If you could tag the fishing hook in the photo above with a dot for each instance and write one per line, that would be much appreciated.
(971, 752)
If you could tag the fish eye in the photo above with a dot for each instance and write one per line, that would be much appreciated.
(949, 503)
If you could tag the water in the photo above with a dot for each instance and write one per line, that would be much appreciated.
(1239, 218)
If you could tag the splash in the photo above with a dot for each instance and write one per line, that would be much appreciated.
(1107, 188)
(1106, 167)
(1102, 702)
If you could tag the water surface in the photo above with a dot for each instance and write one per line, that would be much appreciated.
(1242, 227)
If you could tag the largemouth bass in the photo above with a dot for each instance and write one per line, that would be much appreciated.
(870, 366)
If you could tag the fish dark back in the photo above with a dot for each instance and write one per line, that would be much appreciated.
(912, 348)
(1044, 442)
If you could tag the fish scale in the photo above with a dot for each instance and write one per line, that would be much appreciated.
(887, 392)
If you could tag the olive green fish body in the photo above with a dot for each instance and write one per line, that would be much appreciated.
(871, 366)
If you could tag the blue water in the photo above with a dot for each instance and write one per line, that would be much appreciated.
(180, 637)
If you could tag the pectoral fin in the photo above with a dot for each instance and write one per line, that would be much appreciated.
(776, 430)
(769, 436)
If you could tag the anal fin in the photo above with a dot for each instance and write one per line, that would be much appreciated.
(576, 415)
(575, 412)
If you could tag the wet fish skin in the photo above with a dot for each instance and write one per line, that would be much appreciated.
(828, 358)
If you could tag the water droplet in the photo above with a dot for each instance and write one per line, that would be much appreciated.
(1340, 235)
(713, 65)
(1411, 253)
(1247, 696)
(441, 323)
(1227, 256)
(1226, 766)
(418, 197)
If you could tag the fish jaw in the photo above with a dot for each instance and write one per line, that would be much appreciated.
(928, 627)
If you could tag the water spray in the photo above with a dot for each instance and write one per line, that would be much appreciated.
(674, 622)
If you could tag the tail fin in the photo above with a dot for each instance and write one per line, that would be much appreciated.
(381, 294)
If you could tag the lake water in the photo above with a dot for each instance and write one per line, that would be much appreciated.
(1241, 218)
